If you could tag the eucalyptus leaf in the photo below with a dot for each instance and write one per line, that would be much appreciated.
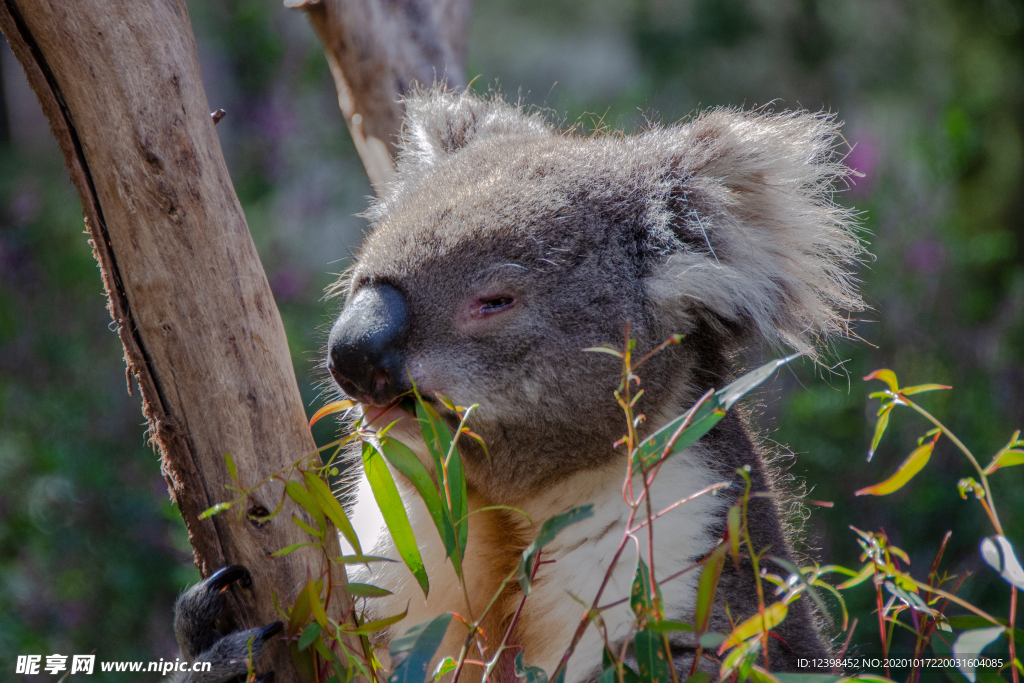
(652, 663)
(365, 590)
(969, 644)
(548, 531)
(405, 461)
(309, 635)
(393, 510)
(411, 653)
(998, 554)
(706, 416)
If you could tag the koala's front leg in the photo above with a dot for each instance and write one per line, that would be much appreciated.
(195, 614)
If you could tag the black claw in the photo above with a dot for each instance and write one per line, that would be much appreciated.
(222, 578)
(271, 630)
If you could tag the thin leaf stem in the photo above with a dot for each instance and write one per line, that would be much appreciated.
(757, 570)
(1012, 630)
(993, 515)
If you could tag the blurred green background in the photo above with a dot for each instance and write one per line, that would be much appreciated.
(932, 92)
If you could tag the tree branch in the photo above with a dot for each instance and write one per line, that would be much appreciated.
(377, 50)
(121, 87)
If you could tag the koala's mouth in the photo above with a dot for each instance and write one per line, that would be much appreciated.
(379, 417)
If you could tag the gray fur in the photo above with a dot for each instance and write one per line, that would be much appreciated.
(720, 227)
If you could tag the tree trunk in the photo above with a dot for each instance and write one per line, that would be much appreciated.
(121, 86)
(377, 50)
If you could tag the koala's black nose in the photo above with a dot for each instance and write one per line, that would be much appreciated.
(366, 348)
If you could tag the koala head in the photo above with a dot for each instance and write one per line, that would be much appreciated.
(505, 247)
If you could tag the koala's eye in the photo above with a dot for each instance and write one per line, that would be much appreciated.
(496, 304)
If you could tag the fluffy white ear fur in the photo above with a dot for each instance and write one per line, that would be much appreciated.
(439, 122)
(745, 203)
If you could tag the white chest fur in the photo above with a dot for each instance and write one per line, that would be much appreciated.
(580, 558)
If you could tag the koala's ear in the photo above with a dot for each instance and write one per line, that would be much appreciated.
(439, 122)
(745, 218)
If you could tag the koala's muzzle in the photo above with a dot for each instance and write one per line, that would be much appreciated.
(366, 347)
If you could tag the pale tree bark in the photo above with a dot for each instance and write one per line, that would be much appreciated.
(120, 84)
(377, 50)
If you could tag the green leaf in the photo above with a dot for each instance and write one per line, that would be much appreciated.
(912, 600)
(651, 661)
(444, 666)
(887, 376)
(309, 635)
(733, 526)
(969, 645)
(604, 349)
(330, 506)
(808, 678)
(304, 498)
(365, 590)
(361, 559)
(411, 653)
(1007, 458)
(756, 625)
(405, 461)
(968, 622)
(989, 676)
(706, 416)
(750, 381)
(759, 675)
(700, 677)
(439, 442)
(548, 530)
(300, 611)
(910, 467)
(372, 626)
(319, 533)
(944, 651)
(866, 572)
(708, 585)
(341, 672)
(883, 422)
(287, 550)
(231, 466)
(668, 626)
(712, 640)
(609, 670)
(921, 388)
(529, 674)
(211, 511)
(390, 503)
(644, 606)
(811, 590)
(316, 607)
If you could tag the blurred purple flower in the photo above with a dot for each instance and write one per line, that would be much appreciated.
(863, 158)
(274, 121)
(25, 206)
(288, 282)
(925, 256)
(72, 613)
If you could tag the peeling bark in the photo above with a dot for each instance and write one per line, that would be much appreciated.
(121, 87)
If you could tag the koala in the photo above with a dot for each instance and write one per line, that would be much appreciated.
(503, 248)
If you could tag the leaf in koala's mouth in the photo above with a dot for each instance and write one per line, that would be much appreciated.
(381, 416)
(331, 408)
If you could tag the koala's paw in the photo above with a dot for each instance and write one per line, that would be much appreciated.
(195, 614)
